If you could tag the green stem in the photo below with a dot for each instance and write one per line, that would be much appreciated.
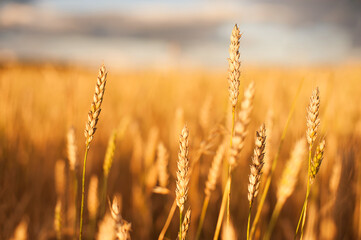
(82, 193)
(275, 214)
(203, 214)
(249, 220)
(221, 212)
(274, 163)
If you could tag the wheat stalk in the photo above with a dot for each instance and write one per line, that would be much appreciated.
(274, 162)
(240, 133)
(90, 128)
(256, 170)
(182, 174)
(313, 122)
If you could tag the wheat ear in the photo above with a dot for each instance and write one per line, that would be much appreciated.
(58, 220)
(234, 66)
(256, 170)
(90, 128)
(185, 224)
(182, 174)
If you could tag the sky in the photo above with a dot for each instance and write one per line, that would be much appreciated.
(188, 33)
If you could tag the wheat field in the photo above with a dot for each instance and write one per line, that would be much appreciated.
(156, 137)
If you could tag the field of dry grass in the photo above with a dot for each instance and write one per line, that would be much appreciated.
(40, 103)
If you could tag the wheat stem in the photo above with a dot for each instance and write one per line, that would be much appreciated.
(83, 193)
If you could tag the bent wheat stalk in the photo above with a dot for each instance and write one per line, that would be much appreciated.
(90, 128)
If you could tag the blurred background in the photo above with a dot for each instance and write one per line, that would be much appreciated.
(160, 34)
(167, 63)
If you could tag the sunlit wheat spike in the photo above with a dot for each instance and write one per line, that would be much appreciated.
(58, 219)
(109, 155)
(313, 120)
(228, 232)
(240, 127)
(93, 202)
(234, 65)
(214, 170)
(182, 171)
(115, 209)
(290, 172)
(162, 164)
(185, 224)
(95, 107)
(72, 149)
(257, 164)
(317, 159)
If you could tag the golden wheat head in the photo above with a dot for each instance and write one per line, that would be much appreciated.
(95, 108)
(257, 164)
(182, 171)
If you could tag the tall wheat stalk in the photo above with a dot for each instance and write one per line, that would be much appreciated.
(233, 80)
(274, 163)
(313, 122)
(240, 133)
(90, 128)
